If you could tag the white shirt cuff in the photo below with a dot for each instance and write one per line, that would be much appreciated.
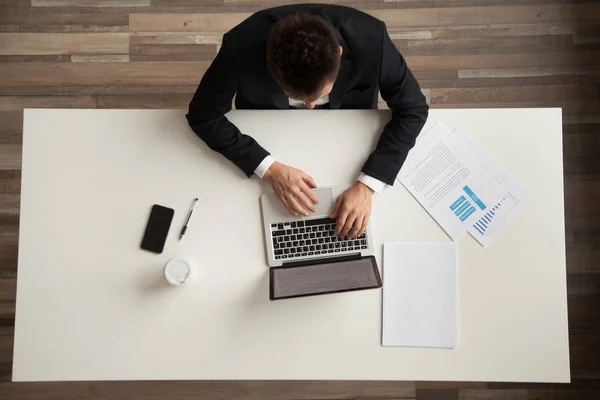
(375, 184)
(264, 166)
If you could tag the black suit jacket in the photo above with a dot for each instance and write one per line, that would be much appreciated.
(370, 63)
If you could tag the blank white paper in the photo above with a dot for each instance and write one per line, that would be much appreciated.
(420, 295)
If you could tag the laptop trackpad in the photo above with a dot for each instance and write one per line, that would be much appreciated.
(325, 206)
(274, 210)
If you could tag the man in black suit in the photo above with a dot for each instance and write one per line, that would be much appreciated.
(308, 56)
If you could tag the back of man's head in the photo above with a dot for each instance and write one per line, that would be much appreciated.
(303, 55)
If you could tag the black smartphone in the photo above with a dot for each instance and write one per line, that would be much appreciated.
(157, 228)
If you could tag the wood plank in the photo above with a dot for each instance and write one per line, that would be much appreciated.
(588, 223)
(569, 110)
(410, 35)
(580, 129)
(64, 17)
(14, 3)
(549, 80)
(11, 138)
(448, 75)
(10, 156)
(512, 30)
(544, 95)
(7, 326)
(583, 261)
(503, 60)
(561, 394)
(527, 71)
(586, 374)
(170, 49)
(575, 384)
(587, 34)
(28, 58)
(164, 39)
(582, 239)
(449, 385)
(214, 390)
(6, 351)
(585, 357)
(62, 43)
(591, 118)
(8, 295)
(584, 337)
(101, 59)
(493, 44)
(8, 262)
(582, 166)
(581, 197)
(195, 8)
(209, 22)
(187, 2)
(527, 14)
(9, 235)
(9, 205)
(94, 90)
(90, 3)
(9, 28)
(473, 394)
(437, 394)
(588, 283)
(74, 28)
(170, 57)
(583, 309)
(10, 182)
(17, 103)
(95, 74)
(11, 122)
(582, 145)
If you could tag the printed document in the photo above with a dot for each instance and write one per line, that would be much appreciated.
(449, 182)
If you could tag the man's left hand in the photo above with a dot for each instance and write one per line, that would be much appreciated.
(353, 210)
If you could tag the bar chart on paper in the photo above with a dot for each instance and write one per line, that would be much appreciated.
(484, 222)
(490, 220)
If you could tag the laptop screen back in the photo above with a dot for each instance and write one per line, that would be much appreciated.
(328, 277)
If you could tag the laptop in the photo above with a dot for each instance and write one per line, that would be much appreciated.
(306, 256)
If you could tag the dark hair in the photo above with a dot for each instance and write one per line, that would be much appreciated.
(303, 54)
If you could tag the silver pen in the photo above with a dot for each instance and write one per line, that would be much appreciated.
(187, 221)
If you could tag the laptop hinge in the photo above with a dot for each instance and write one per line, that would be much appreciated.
(326, 260)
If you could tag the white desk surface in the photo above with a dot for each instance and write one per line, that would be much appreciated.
(92, 306)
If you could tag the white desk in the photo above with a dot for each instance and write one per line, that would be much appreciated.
(92, 306)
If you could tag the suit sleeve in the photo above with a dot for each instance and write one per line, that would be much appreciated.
(402, 93)
(207, 110)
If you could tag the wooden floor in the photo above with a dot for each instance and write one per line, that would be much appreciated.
(465, 53)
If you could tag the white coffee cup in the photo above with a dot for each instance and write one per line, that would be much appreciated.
(179, 271)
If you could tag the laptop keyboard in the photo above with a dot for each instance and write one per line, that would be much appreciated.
(311, 237)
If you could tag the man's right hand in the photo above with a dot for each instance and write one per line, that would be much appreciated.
(292, 187)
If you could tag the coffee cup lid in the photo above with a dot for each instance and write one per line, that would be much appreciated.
(179, 271)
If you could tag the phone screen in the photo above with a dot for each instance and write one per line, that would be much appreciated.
(157, 228)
